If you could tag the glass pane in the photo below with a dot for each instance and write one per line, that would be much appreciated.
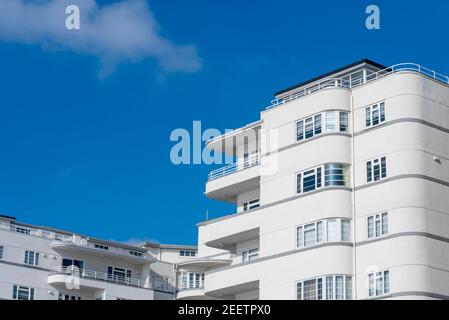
(368, 172)
(309, 236)
(375, 116)
(318, 177)
(382, 112)
(339, 288)
(367, 117)
(319, 232)
(318, 124)
(299, 237)
(299, 291)
(379, 284)
(377, 226)
(309, 128)
(332, 230)
(334, 174)
(384, 223)
(310, 289)
(370, 227)
(343, 121)
(319, 289)
(348, 288)
(309, 182)
(376, 169)
(330, 121)
(371, 284)
(345, 230)
(298, 183)
(386, 281)
(299, 130)
(383, 162)
(329, 288)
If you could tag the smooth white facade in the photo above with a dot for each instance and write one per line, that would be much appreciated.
(349, 237)
(43, 263)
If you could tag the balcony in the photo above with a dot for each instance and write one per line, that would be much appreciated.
(79, 244)
(95, 280)
(227, 182)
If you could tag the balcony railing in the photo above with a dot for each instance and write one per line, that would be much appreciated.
(351, 81)
(158, 283)
(235, 167)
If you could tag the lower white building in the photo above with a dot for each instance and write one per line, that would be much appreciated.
(41, 263)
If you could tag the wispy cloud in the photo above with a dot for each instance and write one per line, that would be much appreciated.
(137, 241)
(67, 172)
(125, 31)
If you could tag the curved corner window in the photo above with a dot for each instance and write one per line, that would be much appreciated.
(329, 121)
(330, 287)
(335, 174)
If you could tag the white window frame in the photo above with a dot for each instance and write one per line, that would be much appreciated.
(323, 281)
(373, 163)
(323, 179)
(31, 258)
(382, 219)
(187, 253)
(191, 280)
(370, 110)
(251, 204)
(249, 254)
(379, 283)
(17, 288)
(320, 120)
(323, 236)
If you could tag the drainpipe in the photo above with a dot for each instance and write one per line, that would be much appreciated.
(354, 256)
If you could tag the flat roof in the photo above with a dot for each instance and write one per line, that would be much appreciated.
(363, 61)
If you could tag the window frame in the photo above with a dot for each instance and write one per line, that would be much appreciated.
(250, 204)
(383, 220)
(322, 237)
(378, 107)
(323, 177)
(31, 258)
(379, 281)
(322, 286)
(16, 292)
(248, 255)
(319, 123)
(370, 168)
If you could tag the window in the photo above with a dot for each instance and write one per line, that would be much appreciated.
(70, 297)
(323, 231)
(375, 115)
(311, 126)
(329, 287)
(192, 280)
(20, 229)
(1, 252)
(135, 253)
(187, 253)
(377, 225)
(22, 293)
(248, 255)
(248, 205)
(72, 265)
(379, 283)
(31, 258)
(120, 275)
(100, 246)
(335, 174)
(376, 169)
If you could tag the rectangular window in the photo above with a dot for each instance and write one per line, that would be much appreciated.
(377, 225)
(317, 124)
(335, 174)
(248, 205)
(299, 130)
(100, 246)
(249, 255)
(345, 230)
(20, 229)
(22, 293)
(375, 115)
(330, 287)
(344, 122)
(309, 128)
(72, 264)
(376, 169)
(331, 234)
(309, 180)
(323, 231)
(330, 121)
(187, 253)
(31, 258)
(1, 252)
(379, 283)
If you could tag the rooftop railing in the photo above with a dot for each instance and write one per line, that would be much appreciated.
(235, 167)
(349, 81)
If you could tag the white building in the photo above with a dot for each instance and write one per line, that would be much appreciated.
(349, 200)
(43, 263)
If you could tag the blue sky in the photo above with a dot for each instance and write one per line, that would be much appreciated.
(90, 152)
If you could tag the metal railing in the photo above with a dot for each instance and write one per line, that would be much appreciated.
(158, 283)
(238, 166)
(349, 81)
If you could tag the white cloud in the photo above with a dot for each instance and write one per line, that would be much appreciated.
(121, 32)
